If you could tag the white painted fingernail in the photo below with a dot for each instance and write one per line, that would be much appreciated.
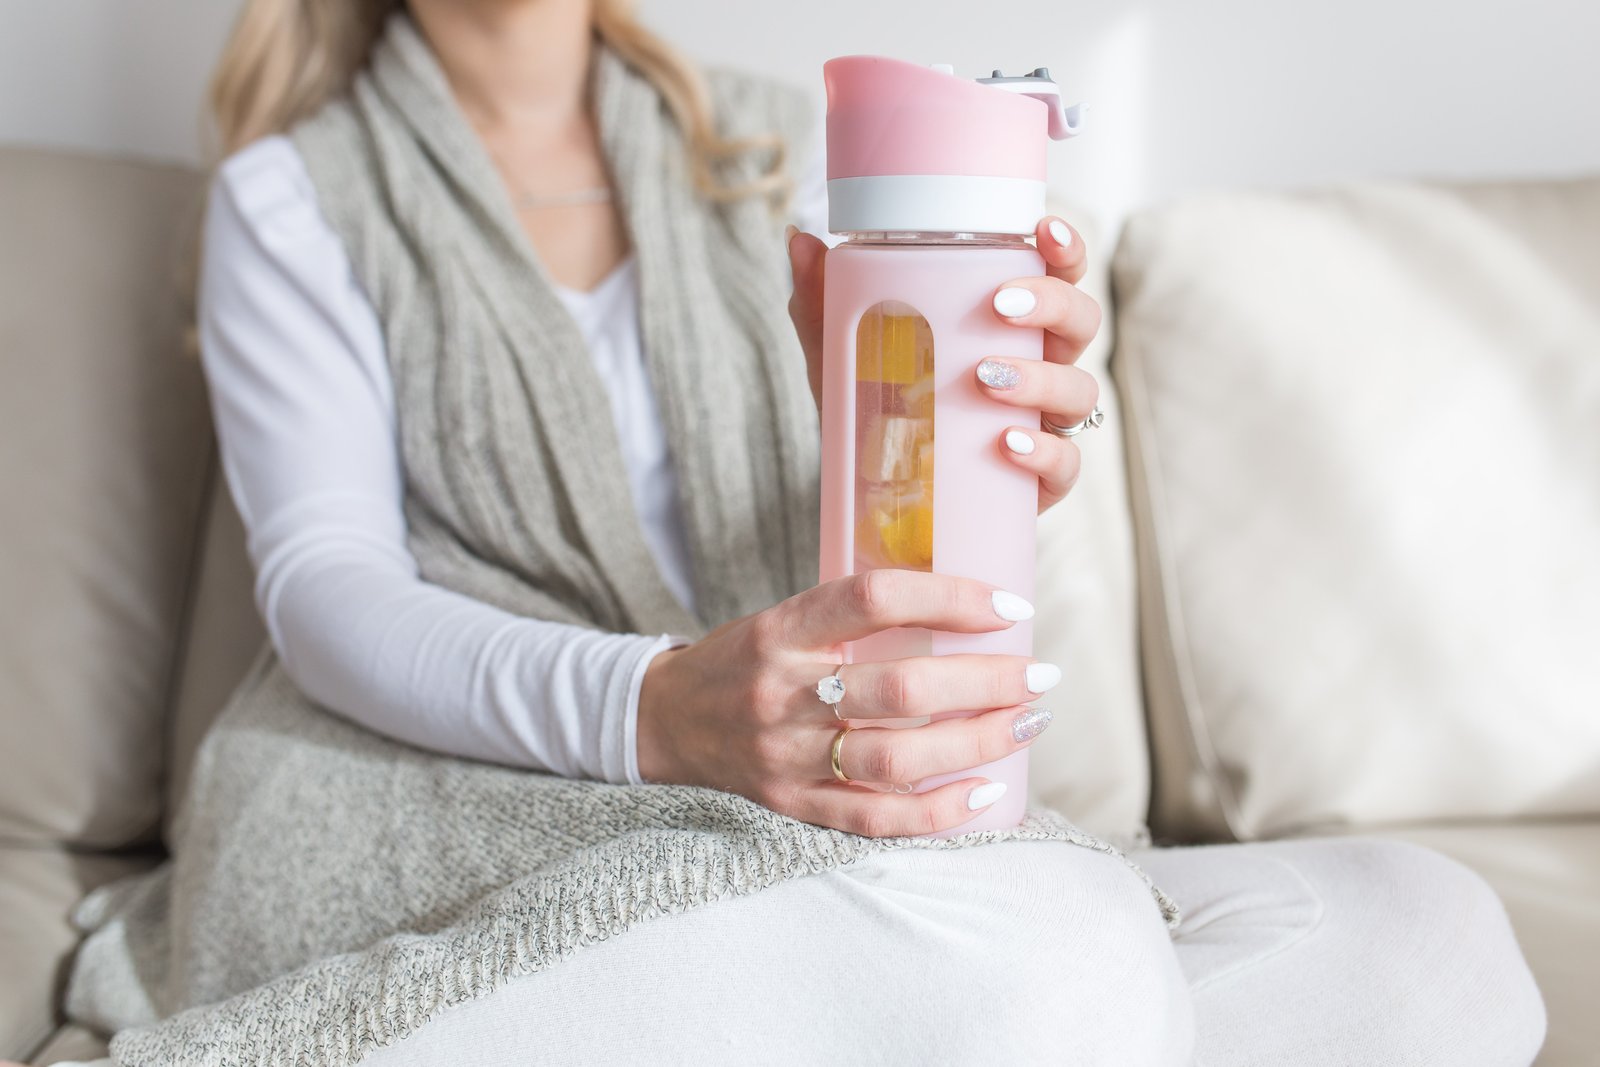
(1042, 677)
(1019, 442)
(1010, 607)
(1060, 232)
(1014, 302)
(985, 794)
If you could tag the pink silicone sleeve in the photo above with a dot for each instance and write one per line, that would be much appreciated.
(985, 507)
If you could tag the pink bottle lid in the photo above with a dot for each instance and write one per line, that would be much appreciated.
(914, 148)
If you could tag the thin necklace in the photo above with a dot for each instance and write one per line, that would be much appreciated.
(525, 200)
(599, 194)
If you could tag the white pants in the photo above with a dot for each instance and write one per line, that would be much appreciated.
(1304, 953)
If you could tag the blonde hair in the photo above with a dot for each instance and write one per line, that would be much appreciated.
(286, 58)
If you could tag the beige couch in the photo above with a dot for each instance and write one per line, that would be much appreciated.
(1331, 568)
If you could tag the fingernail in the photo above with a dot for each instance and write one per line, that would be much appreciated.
(1010, 607)
(1042, 677)
(1014, 302)
(1019, 442)
(985, 794)
(1030, 724)
(789, 233)
(1060, 232)
(997, 374)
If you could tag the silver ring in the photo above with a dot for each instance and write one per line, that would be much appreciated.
(1096, 417)
(830, 690)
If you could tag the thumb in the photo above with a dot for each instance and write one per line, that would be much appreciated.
(807, 256)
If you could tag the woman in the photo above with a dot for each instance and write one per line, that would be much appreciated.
(377, 456)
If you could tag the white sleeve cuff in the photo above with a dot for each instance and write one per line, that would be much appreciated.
(630, 719)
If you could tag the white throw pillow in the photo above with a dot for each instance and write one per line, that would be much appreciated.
(1367, 486)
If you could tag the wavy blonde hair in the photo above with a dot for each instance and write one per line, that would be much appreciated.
(286, 58)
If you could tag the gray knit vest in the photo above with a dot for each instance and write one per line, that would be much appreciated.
(515, 486)
(333, 890)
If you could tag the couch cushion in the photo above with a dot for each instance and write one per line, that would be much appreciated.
(1092, 764)
(1367, 488)
(1548, 877)
(103, 439)
(39, 885)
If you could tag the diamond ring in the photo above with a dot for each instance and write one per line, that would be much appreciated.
(830, 691)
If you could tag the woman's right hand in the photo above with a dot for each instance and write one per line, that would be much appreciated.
(738, 709)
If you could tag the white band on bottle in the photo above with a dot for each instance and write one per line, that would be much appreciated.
(939, 203)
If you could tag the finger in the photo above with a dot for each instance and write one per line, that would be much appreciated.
(1067, 394)
(1062, 248)
(852, 607)
(931, 685)
(807, 259)
(886, 755)
(1069, 316)
(1055, 460)
(860, 810)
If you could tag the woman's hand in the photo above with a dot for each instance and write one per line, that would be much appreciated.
(1069, 317)
(738, 709)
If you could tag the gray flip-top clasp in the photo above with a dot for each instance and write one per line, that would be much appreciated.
(1065, 121)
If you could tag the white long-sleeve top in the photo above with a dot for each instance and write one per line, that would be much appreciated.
(304, 406)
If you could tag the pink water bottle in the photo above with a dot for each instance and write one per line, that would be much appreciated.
(936, 183)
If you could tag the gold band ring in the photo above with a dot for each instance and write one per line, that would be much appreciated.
(838, 740)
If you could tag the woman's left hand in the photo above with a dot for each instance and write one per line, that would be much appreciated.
(1069, 317)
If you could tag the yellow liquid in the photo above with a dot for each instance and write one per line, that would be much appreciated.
(894, 439)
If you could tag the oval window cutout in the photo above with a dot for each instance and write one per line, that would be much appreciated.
(894, 439)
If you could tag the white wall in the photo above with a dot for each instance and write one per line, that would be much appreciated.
(1185, 93)
(1188, 94)
(112, 75)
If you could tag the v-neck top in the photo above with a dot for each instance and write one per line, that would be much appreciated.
(608, 318)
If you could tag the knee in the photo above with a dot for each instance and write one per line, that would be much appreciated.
(1452, 944)
(1133, 1005)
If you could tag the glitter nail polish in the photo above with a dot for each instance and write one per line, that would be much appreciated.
(1030, 723)
(998, 375)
